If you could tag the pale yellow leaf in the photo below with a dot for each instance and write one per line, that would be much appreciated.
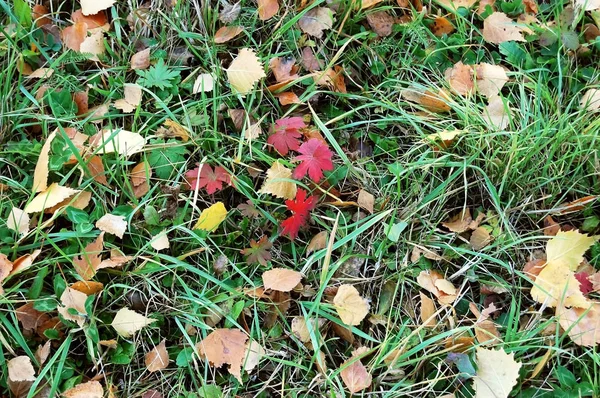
(115, 225)
(160, 241)
(127, 322)
(132, 94)
(591, 99)
(158, 358)
(587, 5)
(21, 375)
(498, 28)
(350, 306)
(91, 389)
(281, 279)
(254, 353)
(93, 45)
(40, 174)
(91, 7)
(211, 218)
(52, 196)
(74, 299)
(582, 325)
(315, 21)
(497, 373)
(490, 79)
(204, 83)
(455, 4)
(41, 73)
(18, 221)
(42, 352)
(369, 3)
(555, 284)
(496, 114)
(279, 182)
(568, 247)
(244, 71)
(122, 142)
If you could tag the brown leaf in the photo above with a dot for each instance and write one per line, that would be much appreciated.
(158, 358)
(91, 389)
(140, 60)
(140, 174)
(267, 9)
(72, 36)
(42, 352)
(87, 263)
(355, 375)
(73, 299)
(344, 332)
(350, 306)
(369, 3)
(284, 69)
(87, 287)
(24, 262)
(497, 114)
(227, 33)
(111, 224)
(81, 100)
(96, 168)
(576, 205)
(40, 174)
(431, 100)
(428, 311)
(29, 317)
(132, 98)
(434, 282)
(318, 242)
(531, 6)
(309, 61)
(229, 12)
(551, 227)
(287, 98)
(94, 22)
(152, 394)
(381, 22)
(21, 375)
(333, 78)
(174, 129)
(281, 279)
(498, 28)
(38, 13)
(366, 200)
(225, 346)
(441, 26)
(459, 223)
(316, 20)
(460, 78)
(490, 79)
(480, 238)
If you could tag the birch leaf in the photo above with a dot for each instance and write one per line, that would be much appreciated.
(114, 225)
(127, 322)
(245, 70)
(279, 182)
(497, 373)
(211, 218)
(52, 196)
(40, 174)
(350, 306)
(18, 221)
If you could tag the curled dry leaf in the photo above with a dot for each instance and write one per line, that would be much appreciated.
(355, 375)
(87, 264)
(18, 221)
(245, 71)
(267, 9)
(497, 373)
(366, 200)
(318, 242)
(40, 174)
(140, 174)
(279, 182)
(283, 68)
(281, 279)
(160, 241)
(132, 98)
(158, 358)
(72, 299)
(52, 196)
(434, 282)
(445, 138)
(95, 22)
(140, 60)
(316, 20)
(432, 100)
(498, 28)
(350, 306)
(428, 318)
(39, 12)
(225, 346)
(127, 322)
(115, 225)
(91, 389)
(87, 287)
(227, 33)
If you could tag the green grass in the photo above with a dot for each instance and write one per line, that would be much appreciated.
(549, 154)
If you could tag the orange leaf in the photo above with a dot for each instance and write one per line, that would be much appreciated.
(96, 168)
(87, 264)
(158, 358)
(281, 279)
(227, 33)
(441, 26)
(74, 35)
(267, 9)
(225, 346)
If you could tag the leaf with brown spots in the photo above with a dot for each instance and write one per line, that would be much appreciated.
(225, 346)
(381, 22)
(441, 26)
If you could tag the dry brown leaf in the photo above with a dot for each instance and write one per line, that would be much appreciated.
(253, 355)
(93, 45)
(115, 225)
(117, 259)
(460, 78)
(318, 242)
(43, 352)
(52, 196)
(267, 9)
(309, 61)
(279, 182)
(381, 22)
(41, 73)
(253, 131)
(140, 60)
(39, 12)
(21, 375)
(227, 33)
(284, 69)
(18, 221)
(140, 174)
(94, 22)
(230, 12)
(225, 346)
(496, 113)
(79, 201)
(204, 83)
(87, 264)
(587, 5)
(300, 327)
(433, 101)
(29, 317)
(350, 306)
(551, 227)
(81, 99)
(287, 98)
(576, 205)
(434, 282)
(91, 389)
(419, 251)
(132, 98)
(497, 373)
(126, 322)
(73, 299)
(281, 279)
(498, 28)
(96, 168)
(40, 174)
(87, 287)
(316, 20)
(333, 78)
(355, 375)
(91, 7)
(455, 4)
(245, 71)
(490, 79)
(441, 26)
(480, 238)
(160, 241)
(459, 223)
(158, 358)
(366, 200)
(369, 3)
(428, 318)
(72, 36)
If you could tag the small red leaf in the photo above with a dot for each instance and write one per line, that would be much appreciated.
(300, 208)
(205, 177)
(286, 136)
(585, 285)
(315, 157)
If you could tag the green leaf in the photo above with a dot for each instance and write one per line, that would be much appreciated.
(184, 357)
(159, 76)
(77, 216)
(61, 103)
(123, 354)
(565, 377)
(393, 232)
(151, 216)
(166, 156)
(210, 391)
(23, 13)
(45, 305)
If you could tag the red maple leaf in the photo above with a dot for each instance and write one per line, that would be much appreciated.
(585, 285)
(315, 157)
(286, 136)
(300, 208)
(205, 177)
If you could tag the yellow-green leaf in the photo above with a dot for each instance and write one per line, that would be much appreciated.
(212, 217)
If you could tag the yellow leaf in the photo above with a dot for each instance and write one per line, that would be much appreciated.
(582, 325)
(50, 197)
(497, 373)
(40, 175)
(568, 247)
(73, 299)
(91, 7)
(94, 45)
(245, 70)
(160, 241)
(132, 94)
(18, 221)
(557, 283)
(127, 322)
(212, 217)
(115, 225)
(122, 141)
(350, 306)
(279, 182)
